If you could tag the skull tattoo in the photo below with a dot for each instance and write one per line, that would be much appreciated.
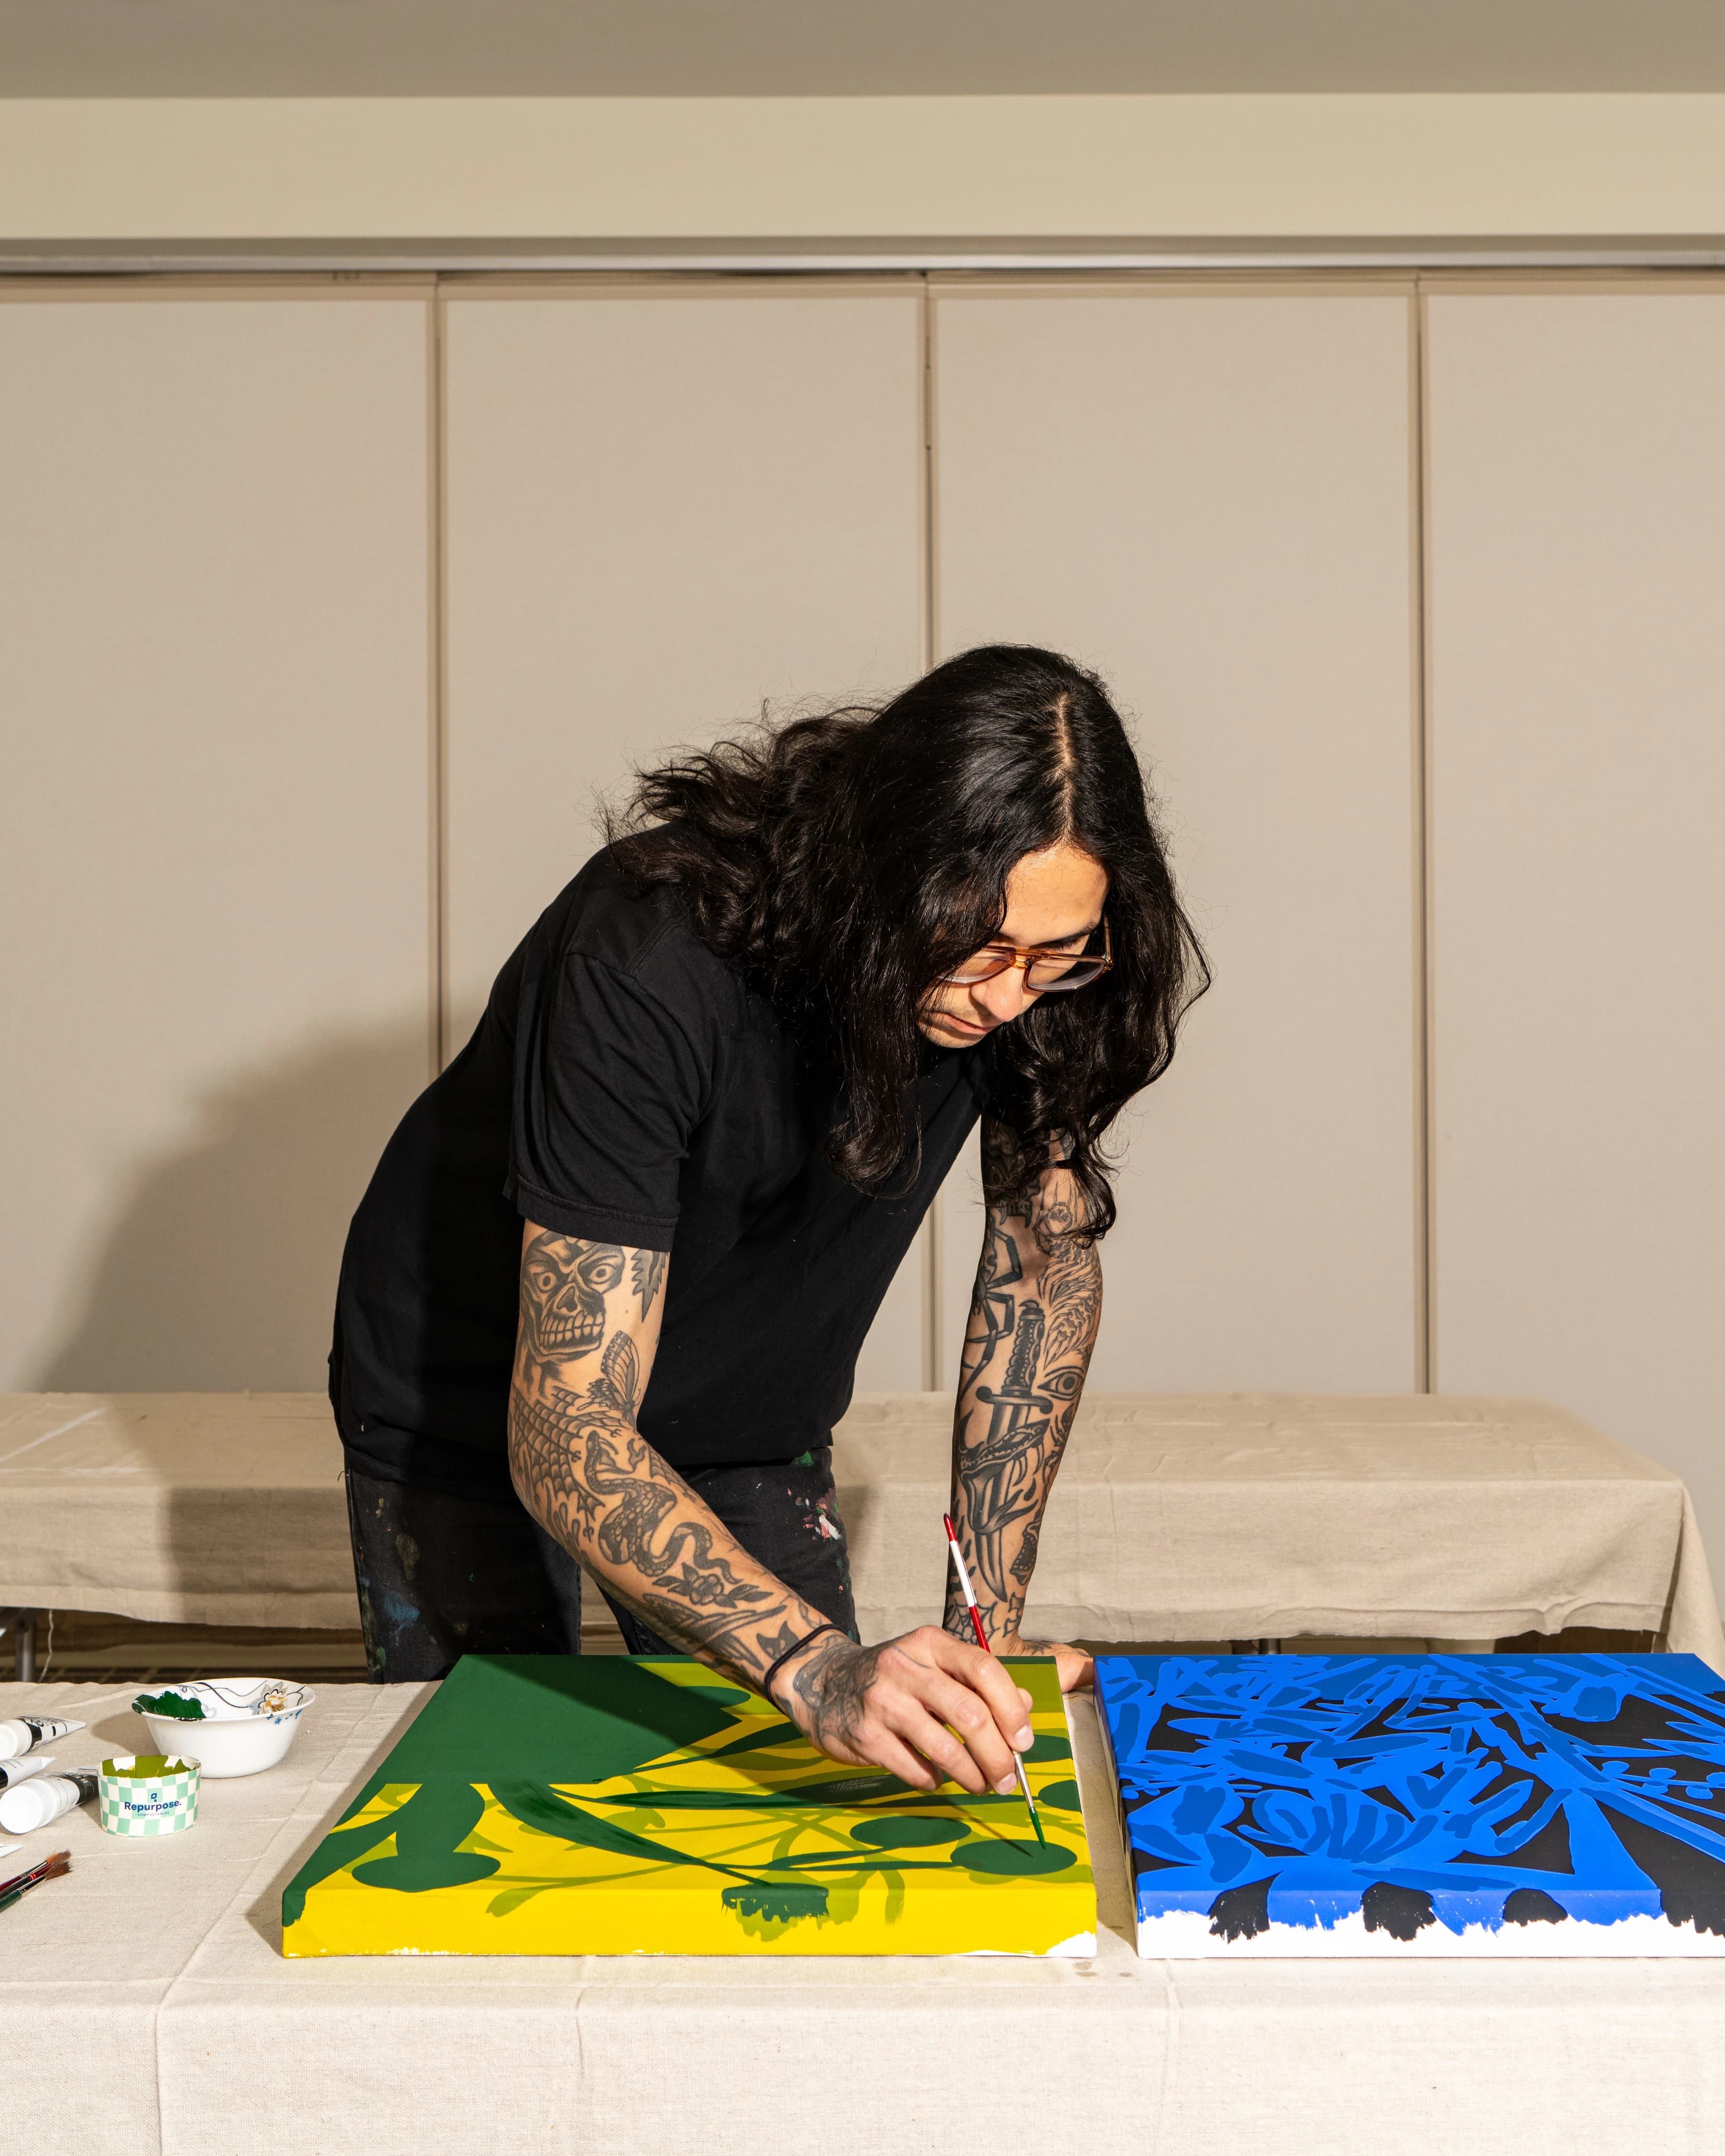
(564, 1284)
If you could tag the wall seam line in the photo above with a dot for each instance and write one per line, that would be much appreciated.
(1426, 1344)
(934, 1224)
(439, 672)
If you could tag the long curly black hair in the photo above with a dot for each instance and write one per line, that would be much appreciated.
(848, 860)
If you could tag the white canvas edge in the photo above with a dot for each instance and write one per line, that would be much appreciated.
(1078, 1947)
(1185, 1935)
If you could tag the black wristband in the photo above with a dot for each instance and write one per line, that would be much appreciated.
(774, 1667)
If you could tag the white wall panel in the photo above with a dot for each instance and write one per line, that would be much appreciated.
(214, 665)
(666, 505)
(1578, 721)
(1207, 498)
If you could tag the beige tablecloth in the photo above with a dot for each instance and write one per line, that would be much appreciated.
(1234, 1517)
(146, 2009)
(1206, 1517)
(179, 1508)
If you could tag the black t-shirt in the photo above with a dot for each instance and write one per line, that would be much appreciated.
(626, 1085)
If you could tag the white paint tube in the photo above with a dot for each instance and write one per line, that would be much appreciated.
(50, 1797)
(20, 1770)
(30, 1730)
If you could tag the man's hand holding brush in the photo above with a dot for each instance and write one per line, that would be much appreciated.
(925, 1706)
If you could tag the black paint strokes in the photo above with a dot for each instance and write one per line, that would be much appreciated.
(1691, 1883)
(1528, 1905)
(1241, 1912)
(1400, 1910)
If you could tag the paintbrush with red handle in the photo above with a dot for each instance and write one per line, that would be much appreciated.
(51, 1867)
(982, 1641)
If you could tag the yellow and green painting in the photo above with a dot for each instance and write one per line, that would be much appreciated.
(550, 1804)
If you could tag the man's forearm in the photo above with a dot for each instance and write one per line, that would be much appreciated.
(1032, 1322)
(588, 1476)
(920, 1707)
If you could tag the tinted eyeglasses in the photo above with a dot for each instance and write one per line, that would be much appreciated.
(1045, 971)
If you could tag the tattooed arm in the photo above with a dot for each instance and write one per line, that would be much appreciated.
(590, 1314)
(1033, 1314)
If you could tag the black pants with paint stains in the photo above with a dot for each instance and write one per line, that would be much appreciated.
(441, 1576)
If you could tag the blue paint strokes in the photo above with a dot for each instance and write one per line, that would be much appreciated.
(395, 1610)
(1289, 1789)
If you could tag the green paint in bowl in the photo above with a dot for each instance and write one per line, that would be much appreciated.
(174, 1706)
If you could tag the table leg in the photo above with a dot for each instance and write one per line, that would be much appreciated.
(21, 1624)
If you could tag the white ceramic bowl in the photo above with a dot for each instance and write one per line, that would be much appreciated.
(247, 1723)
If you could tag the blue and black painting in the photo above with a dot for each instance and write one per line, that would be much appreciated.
(1420, 1789)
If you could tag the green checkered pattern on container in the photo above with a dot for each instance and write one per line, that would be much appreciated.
(148, 1808)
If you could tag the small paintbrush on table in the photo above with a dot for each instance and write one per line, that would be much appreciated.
(982, 1641)
(51, 1867)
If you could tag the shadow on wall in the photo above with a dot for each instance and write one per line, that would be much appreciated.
(220, 1273)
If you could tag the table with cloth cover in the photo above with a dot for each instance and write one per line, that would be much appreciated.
(1183, 1518)
(147, 2009)
(1242, 1516)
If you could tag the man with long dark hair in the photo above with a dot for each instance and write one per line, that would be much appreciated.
(601, 1303)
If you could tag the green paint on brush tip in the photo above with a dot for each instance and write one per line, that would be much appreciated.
(172, 1704)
